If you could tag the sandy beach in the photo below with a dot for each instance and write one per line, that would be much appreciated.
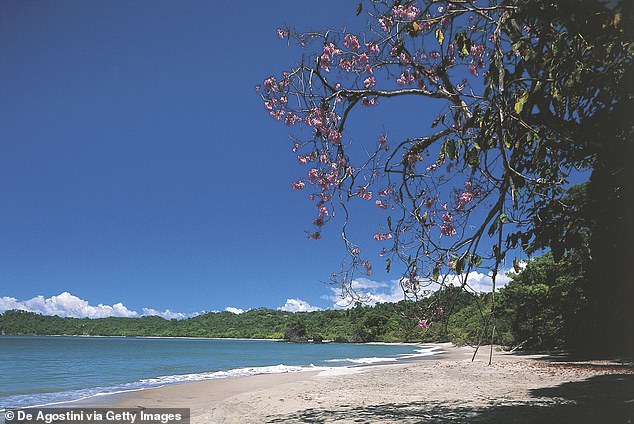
(516, 388)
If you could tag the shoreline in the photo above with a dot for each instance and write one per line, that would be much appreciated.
(103, 398)
(446, 388)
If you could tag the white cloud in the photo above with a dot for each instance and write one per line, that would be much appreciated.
(366, 283)
(66, 305)
(368, 291)
(167, 314)
(372, 292)
(480, 282)
(298, 305)
(234, 310)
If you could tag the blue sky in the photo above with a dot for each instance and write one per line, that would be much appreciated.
(138, 165)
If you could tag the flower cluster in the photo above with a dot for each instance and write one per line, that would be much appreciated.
(477, 58)
(447, 227)
(406, 78)
(351, 42)
(466, 197)
(408, 13)
(382, 236)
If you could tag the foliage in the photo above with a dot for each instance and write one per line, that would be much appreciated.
(389, 322)
(522, 94)
(545, 304)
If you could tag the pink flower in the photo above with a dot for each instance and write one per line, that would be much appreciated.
(409, 12)
(385, 192)
(314, 236)
(313, 174)
(291, 118)
(347, 64)
(323, 211)
(368, 267)
(380, 204)
(424, 324)
(373, 47)
(369, 101)
(365, 195)
(406, 78)
(298, 185)
(385, 23)
(351, 42)
(331, 49)
(382, 139)
(465, 198)
(369, 81)
(382, 236)
(277, 114)
(282, 33)
(446, 217)
(448, 229)
(324, 62)
(271, 84)
(334, 136)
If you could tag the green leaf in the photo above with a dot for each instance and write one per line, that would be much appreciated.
(460, 265)
(504, 218)
(439, 36)
(450, 148)
(519, 103)
(516, 265)
(463, 43)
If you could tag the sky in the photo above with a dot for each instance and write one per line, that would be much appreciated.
(140, 173)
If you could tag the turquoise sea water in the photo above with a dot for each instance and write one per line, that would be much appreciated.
(38, 370)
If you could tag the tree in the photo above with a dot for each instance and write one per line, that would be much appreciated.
(546, 303)
(525, 96)
(296, 331)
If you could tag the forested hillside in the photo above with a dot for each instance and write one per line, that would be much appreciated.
(539, 309)
(452, 315)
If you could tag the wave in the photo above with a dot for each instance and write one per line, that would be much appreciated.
(237, 372)
(423, 351)
(367, 361)
(53, 398)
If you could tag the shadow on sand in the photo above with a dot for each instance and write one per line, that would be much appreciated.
(600, 399)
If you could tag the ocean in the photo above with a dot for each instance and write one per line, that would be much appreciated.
(39, 370)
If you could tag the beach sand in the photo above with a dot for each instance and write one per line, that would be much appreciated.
(516, 388)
